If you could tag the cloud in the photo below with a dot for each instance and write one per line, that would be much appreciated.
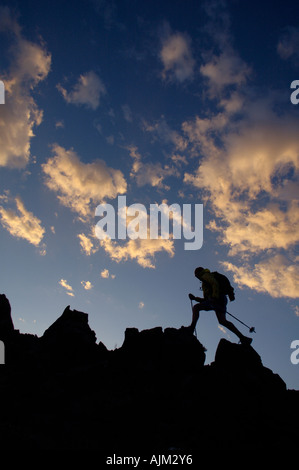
(87, 285)
(80, 186)
(176, 57)
(251, 180)
(288, 45)
(162, 131)
(223, 70)
(276, 276)
(105, 273)
(86, 244)
(143, 251)
(22, 223)
(30, 64)
(153, 174)
(59, 124)
(141, 305)
(67, 287)
(226, 69)
(87, 91)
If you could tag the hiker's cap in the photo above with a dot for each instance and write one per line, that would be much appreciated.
(198, 271)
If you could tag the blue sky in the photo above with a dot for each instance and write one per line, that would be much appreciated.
(174, 101)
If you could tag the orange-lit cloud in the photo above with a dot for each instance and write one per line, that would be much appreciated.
(276, 276)
(81, 186)
(87, 244)
(30, 64)
(87, 91)
(142, 251)
(22, 224)
(105, 273)
(153, 174)
(87, 285)
(176, 57)
(67, 287)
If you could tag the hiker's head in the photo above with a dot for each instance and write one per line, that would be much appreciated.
(198, 271)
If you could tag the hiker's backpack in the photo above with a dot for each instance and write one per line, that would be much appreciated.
(224, 285)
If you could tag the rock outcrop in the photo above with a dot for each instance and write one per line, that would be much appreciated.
(154, 393)
(6, 324)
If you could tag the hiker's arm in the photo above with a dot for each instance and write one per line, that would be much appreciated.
(197, 299)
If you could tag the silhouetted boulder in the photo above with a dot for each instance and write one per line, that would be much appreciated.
(243, 363)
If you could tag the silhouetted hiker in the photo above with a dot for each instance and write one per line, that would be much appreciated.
(213, 299)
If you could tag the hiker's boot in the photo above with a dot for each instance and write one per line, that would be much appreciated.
(246, 341)
(188, 329)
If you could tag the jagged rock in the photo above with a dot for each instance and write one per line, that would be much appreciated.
(6, 323)
(69, 338)
(171, 349)
(72, 325)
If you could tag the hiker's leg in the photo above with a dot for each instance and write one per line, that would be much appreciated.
(228, 324)
(195, 316)
(203, 305)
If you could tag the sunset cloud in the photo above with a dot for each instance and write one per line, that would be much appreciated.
(225, 70)
(87, 91)
(176, 57)
(87, 285)
(288, 44)
(81, 186)
(258, 161)
(67, 287)
(141, 251)
(105, 273)
(276, 276)
(160, 130)
(86, 244)
(22, 223)
(150, 173)
(29, 65)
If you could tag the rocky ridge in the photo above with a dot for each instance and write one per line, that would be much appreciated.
(64, 390)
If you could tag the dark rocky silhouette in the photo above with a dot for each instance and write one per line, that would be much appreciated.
(154, 393)
(6, 324)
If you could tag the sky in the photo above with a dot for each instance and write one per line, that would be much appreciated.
(174, 102)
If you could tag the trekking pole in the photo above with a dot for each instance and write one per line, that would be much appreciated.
(192, 317)
(251, 329)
